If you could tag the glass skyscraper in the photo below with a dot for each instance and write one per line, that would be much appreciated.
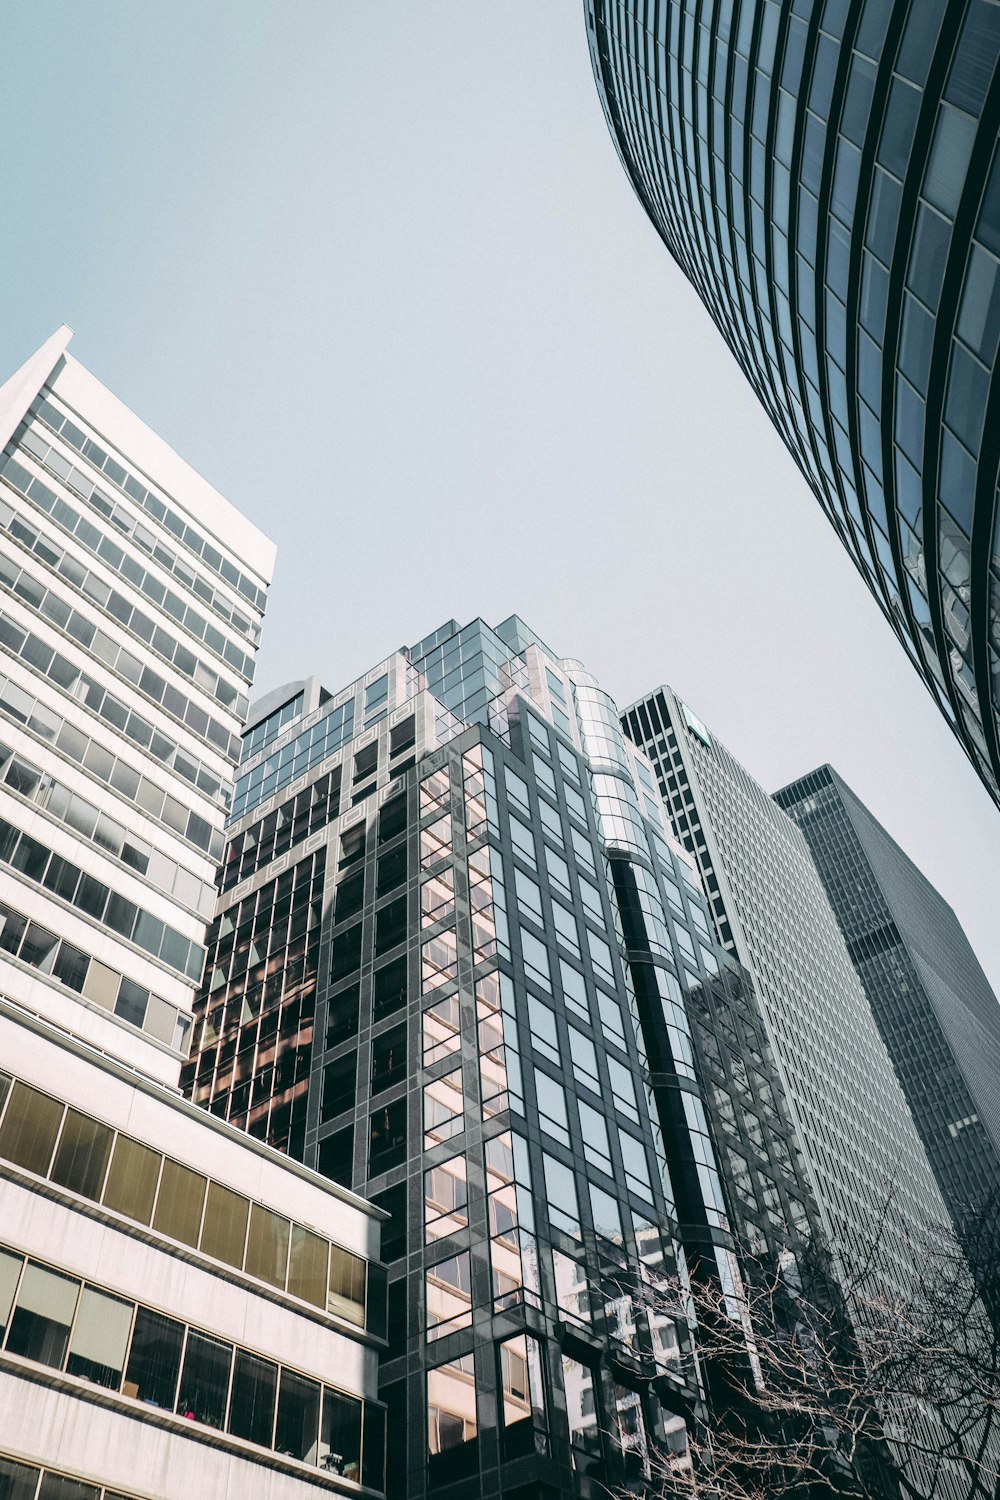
(933, 1004)
(877, 1197)
(827, 176)
(462, 965)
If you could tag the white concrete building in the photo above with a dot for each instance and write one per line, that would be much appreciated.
(184, 1312)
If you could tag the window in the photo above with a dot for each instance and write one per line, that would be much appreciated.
(449, 1295)
(536, 959)
(225, 1228)
(446, 1198)
(307, 1265)
(389, 989)
(402, 736)
(439, 959)
(251, 1409)
(388, 1058)
(523, 1391)
(154, 1359)
(179, 1203)
(297, 1429)
(29, 1129)
(391, 870)
(131, 1184)
(267, 1246)
(204, 1385)
(560, 1187)
(100, 1339)
(39, 1327)
(390, 926)
(387, 1137)
(10, 1271)
(341, 1435)
(452, 1422)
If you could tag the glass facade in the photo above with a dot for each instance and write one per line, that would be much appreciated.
(933, 1004)
(873, 1187)
(508, 942)
(827, 176)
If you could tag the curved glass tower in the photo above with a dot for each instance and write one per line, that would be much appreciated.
(826, 173)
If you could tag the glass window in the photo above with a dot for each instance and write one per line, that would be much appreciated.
(389, 989)
(17, 1481)
(61, 1487)
(131, 1185)
(297, 1430)
(560, 1186)
(267, 1246)
(607, 1214)
(251, 1410)
(373, 1454)
(346, 1293)
(449, 1295)
(340, 1442)
(204, 1387)
(179, 1203)
(523, 1391)
(10, 1270)
(552, 1107)
(452, 1424)
(307, 1269)
(39, 1327)
(446, 1198)
(388, 1058)
(82, 1157)
(100, 1339)
(154, 1360)
(224, 1231)
(536, 959)
(29, 1129)
(387, 1137)
(979, 320)
(583, 1417)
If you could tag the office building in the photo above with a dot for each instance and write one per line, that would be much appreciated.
(449, 970)
(879, 1205)
(182, 1310)
(827, 176)
(933, 1004)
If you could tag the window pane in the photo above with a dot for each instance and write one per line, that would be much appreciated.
(179, 1203)
(251, 1411)
(154, 1360)
(452, 1426)
(40, 1326)
(340, 1448)
(205, 1380)
(131, 1184)
(84, 1148)
(29, 1128)
(267, 1246)
(307, 1266)
(60, 1487)
(373, 1457)
(224, 1232)
(10, 1270)
(297, 1431)
(347, 1285)
(100, 1339)
(17, 1481)
(523, 1395)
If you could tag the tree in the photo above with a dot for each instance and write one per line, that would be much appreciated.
(820, 1385)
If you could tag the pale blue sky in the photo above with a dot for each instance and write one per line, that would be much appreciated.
(376, 271)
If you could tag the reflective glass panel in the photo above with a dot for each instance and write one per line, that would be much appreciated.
(29, 1129)
(39, 1327)
(131, 1185)
(179, 1203)
(82, 1156)
(297, 1431)
(251, 1410)
(154, 1359)
(267, 1246)
(204, 1385)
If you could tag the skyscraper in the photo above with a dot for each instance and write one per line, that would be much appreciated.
(449, 970)
(938, 1016)
(182, 1311)
(876, 1194)
(827, 177)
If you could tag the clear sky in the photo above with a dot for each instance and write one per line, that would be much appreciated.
(377, 272)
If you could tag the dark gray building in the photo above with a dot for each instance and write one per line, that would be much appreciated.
(938, 1016)
(877, 1197)
(451, 966)
(827, 176)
